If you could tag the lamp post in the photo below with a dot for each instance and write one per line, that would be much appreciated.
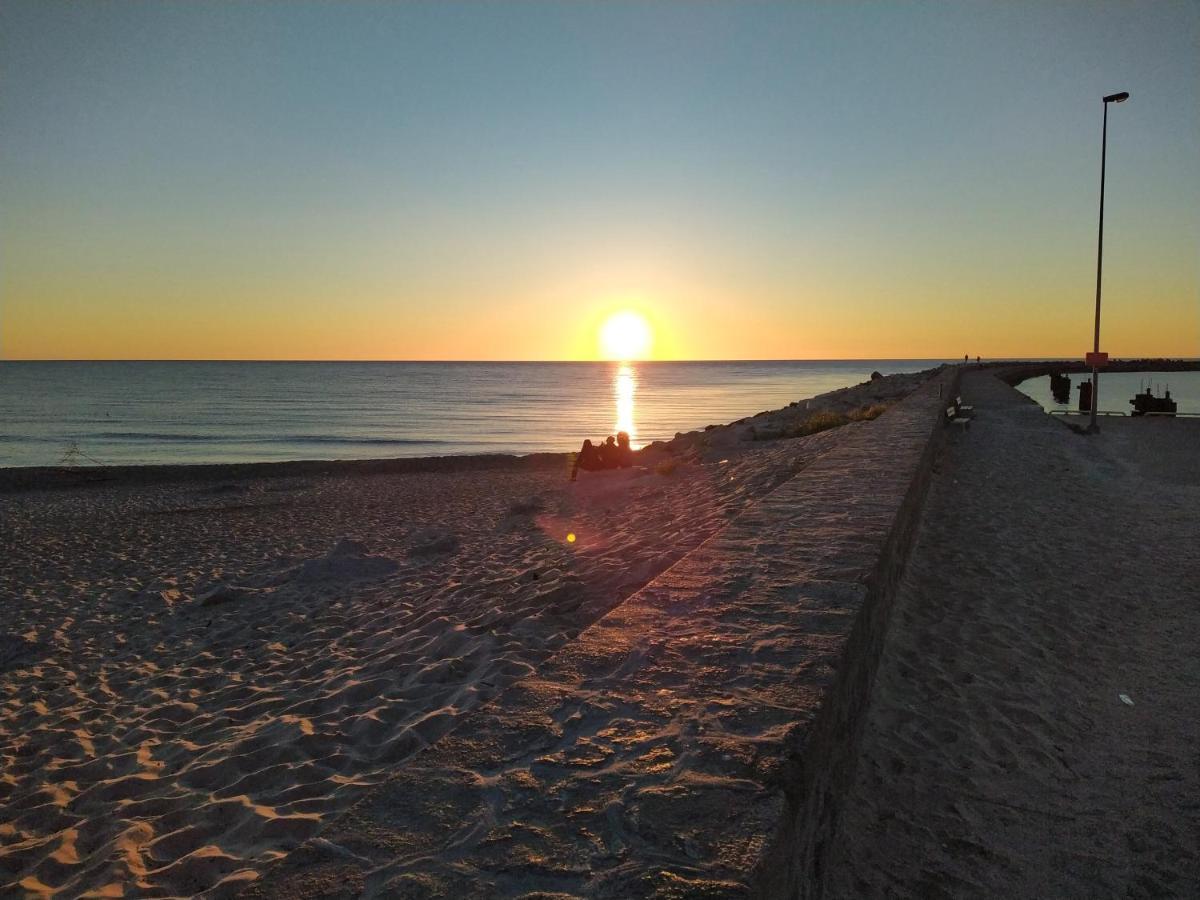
(1111, 98)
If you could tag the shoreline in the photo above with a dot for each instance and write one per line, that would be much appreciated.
(31, 478)
(15, 479)
(134, 414)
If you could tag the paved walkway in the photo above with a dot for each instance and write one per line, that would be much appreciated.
(1035, 725)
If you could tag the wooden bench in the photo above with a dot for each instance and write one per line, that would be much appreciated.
(962, 407)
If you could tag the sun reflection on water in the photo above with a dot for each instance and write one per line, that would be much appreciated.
(624, 386)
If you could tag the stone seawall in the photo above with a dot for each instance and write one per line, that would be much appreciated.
(696, 740)
(820, 768)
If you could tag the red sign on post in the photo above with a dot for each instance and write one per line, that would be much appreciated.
(1097, 360)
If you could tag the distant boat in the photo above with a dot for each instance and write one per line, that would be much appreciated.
(1146, 403)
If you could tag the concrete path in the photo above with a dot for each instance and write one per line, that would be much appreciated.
(1035, 725)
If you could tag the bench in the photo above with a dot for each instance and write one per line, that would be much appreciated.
(951, 417)
(962, 407)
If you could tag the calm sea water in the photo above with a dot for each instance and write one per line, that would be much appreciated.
(193, 412)
(1118, 388)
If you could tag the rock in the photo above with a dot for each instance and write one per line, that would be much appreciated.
(875, 376)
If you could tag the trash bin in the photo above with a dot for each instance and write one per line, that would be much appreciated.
(1085, 396)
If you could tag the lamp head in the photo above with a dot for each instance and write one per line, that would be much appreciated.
(1117, 98)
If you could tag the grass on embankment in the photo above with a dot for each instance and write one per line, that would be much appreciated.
(821, 421)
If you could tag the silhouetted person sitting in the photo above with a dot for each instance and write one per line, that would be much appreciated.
(614, 453)
(608, 453)
(588, 458)
(624, 451)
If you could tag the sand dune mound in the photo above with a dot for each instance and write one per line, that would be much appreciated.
(432, 542)
(347, 561)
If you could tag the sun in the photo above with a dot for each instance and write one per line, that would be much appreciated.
(625, 336)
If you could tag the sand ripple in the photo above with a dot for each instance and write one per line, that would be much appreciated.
(194, 683)
(196, 677)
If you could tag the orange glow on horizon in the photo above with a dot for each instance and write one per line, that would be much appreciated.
(565, 319)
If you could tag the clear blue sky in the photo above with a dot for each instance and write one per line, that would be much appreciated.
(486, 180)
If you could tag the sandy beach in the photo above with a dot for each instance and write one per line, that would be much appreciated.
(477, 678)
(199, 671)
(599, 451)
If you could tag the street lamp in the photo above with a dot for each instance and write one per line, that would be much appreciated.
(1095, 356)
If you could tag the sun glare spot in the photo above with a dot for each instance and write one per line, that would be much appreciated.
(625, 336)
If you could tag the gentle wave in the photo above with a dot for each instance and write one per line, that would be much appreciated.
(236, 437)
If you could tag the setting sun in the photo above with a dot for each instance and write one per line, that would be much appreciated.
(625, 336)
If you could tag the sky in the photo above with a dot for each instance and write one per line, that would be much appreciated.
(270, 180)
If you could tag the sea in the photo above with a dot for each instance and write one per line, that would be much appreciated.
(133, 413)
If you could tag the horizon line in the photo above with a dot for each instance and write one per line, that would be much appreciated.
(934, 359)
